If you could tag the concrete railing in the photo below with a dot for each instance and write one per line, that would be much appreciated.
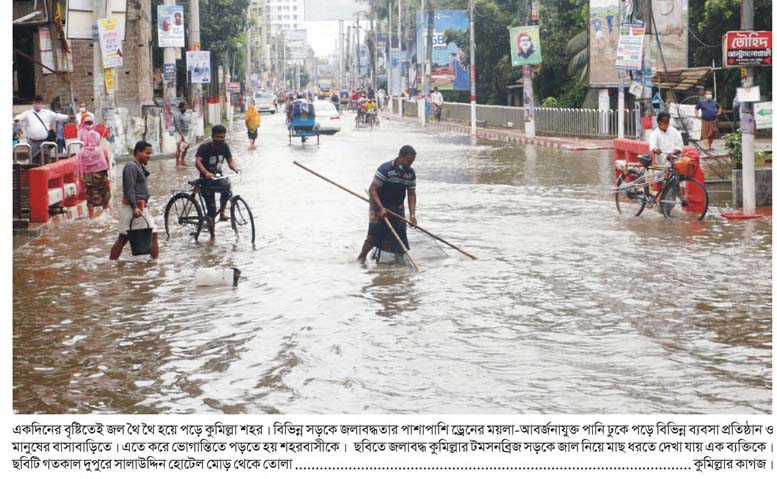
(570, 122)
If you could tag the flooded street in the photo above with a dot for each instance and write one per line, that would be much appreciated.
(570, 307)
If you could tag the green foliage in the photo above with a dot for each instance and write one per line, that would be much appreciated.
(733, 143)
(550, 102)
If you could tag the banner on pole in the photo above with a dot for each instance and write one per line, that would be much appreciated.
(449, 62)
(109, 83)
(110, 42)
(198, 66)
(630, 46)
(763, 115)
(525, 46)
(170, 28)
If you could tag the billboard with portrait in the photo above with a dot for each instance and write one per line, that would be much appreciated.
(525, 46)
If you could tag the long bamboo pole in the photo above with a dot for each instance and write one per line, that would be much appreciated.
(388, 211)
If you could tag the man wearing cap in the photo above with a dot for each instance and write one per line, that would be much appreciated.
(392, 181)
(37, 122)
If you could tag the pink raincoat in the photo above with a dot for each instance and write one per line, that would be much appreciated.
(92, 158)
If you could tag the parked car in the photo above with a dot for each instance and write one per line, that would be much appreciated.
(327, 116)
(265, 102)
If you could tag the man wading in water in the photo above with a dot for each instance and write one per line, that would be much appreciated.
(387, 192)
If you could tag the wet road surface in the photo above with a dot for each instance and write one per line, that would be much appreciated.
(570, 308)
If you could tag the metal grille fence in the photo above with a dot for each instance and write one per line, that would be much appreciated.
(572, 122)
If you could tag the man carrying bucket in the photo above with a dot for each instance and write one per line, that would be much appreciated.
(134, 213)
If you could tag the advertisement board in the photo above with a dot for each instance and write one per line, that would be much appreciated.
(316, 10)
(450, 63)
(198, 66)
(525, 46)
(747, 49)
(296, 43)
(631, 43)
(671, 25)
(79, 18)
(170, 27)
(110, 42)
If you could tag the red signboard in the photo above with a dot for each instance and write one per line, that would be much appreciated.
(233, 87)
(748, 49)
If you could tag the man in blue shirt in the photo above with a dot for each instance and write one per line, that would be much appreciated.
(392, 181)
(708, 110)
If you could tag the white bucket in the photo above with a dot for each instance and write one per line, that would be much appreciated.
(216, 277)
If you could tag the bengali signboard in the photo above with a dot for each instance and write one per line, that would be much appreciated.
(525, 46)
(296, 43)
(630, 46)
(110, 42)
(198, 66)
(170, 26)
(450, 63)
(747, 49)
(233, 87)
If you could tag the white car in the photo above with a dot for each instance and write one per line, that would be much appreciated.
(327, 117)
(264, 102)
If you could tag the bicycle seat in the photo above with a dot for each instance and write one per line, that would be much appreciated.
(646, 160)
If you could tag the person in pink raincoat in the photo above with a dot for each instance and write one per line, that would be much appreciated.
(93, 168)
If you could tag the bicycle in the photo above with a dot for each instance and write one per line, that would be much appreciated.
(676, 192)
(185, 213)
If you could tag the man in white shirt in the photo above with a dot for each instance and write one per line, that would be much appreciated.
(437, 102)
(665, 140)
(36, 123)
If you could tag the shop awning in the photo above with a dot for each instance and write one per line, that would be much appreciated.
(681, 79)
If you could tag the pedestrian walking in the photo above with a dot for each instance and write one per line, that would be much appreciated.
(393, 180)
(181, 126)
(134, 202)
(708, 110)
(39, 126)
(437, 102)
(253, 120)
(93, 168)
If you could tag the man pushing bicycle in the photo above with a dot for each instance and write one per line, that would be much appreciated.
(210, 157)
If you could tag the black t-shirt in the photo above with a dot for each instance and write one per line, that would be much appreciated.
(393, 182)
(213, 156)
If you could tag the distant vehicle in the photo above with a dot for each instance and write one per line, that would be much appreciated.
(325, 87)
(328, 117)
(265, 102)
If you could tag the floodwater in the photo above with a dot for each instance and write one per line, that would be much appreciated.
(570, 308)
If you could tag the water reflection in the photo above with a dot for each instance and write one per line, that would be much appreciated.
(570, 308)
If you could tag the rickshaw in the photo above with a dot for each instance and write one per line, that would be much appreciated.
(302, 121)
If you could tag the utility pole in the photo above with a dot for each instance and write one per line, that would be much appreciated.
(472, 91)
(340, 57)
(390, 62)
(100, 11)
(358, 52)
(401, 63)
(195, 89)
(621, 87)
(373, 25)
(528, 90)
(747, 124)
(248, 89)
(168, 57)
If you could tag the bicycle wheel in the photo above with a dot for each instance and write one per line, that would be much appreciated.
(183, 217)
(629, 200)
(684, 198)
(242, 219)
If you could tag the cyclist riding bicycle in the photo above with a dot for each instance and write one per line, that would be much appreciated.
(209, 160)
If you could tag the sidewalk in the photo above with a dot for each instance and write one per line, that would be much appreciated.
(512, 136)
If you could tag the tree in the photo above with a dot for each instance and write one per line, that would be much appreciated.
(222, 32)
